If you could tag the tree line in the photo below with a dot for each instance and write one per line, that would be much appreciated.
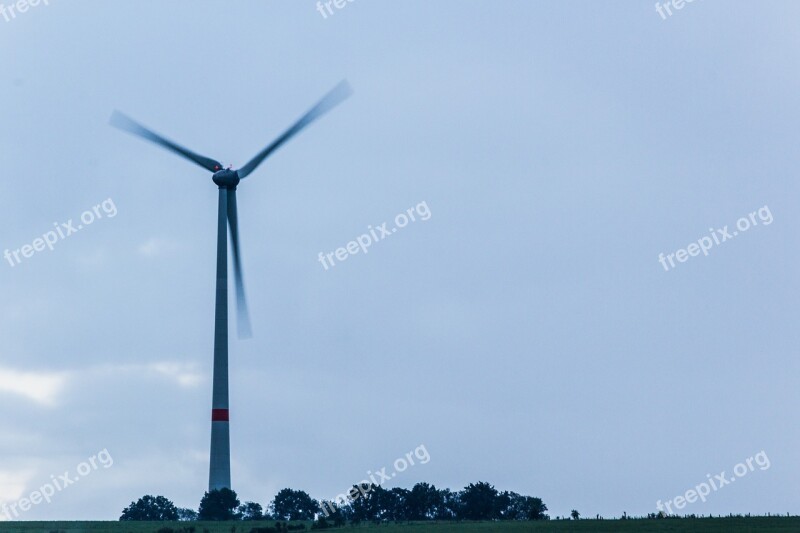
(363, 503)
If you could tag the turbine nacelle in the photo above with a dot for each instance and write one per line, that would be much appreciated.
(227, 178)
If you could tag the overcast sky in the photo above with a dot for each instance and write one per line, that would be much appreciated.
(525, 334)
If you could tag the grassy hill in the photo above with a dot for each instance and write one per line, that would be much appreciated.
(695, 525)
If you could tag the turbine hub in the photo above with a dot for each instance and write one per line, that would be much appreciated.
(226, 178)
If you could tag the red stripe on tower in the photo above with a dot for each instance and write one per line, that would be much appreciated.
(220, 415)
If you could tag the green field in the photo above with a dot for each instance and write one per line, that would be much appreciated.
(701, 525)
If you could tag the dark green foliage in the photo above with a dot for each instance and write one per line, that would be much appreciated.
(448, 505)
(513, 506)
(219, 505)
(479, 501)
(366, 503)
(331, 515)
(422, 502)
(187, 515)
(291, 504)
(250, 511)
(321, 523)
(155, 508)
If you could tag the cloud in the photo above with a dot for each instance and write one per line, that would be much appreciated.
(93, 259)
(40, 387)
(149, 248)
(44, 388)
(186, 375)
(152, 247)
(13, 485)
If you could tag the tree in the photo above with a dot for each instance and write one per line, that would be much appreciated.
(513, 506)
(186, 515)
(528, 508)
(219, 504)
(332, 513)
(395, 505)
(380, 504)
(448, 505)
(478, 501)
(250, 511)
(364, 503)
(291, 504)
(503, 509)
(575, 514)
(422, 502)
(150, 508)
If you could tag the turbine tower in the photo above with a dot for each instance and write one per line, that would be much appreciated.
(227, 180)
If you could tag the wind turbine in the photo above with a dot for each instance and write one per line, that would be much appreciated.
(227, 180)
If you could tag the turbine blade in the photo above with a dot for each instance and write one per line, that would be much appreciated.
(243, 322)
(121, 121)
(334, 97)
